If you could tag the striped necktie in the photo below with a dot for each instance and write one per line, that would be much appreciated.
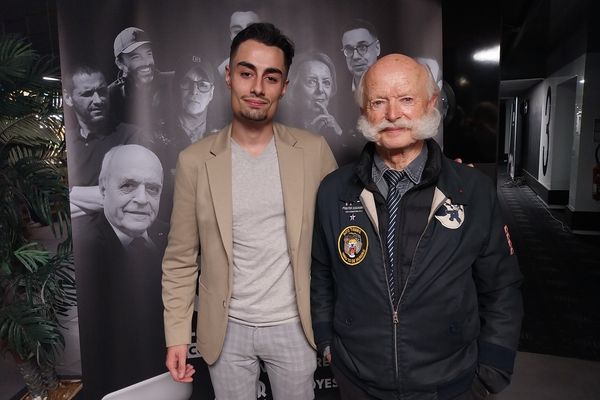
(392, 178)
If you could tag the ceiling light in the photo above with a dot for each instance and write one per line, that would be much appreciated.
(489, 55)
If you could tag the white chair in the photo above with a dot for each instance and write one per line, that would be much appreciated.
(160, 387)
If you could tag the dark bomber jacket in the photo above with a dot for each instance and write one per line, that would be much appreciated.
(459, 305)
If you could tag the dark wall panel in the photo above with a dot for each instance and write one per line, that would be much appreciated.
(471, 125)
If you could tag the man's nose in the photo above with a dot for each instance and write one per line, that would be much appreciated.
(356, 55)
(394, 111)
(258, 86)
(148, 59)
(140, 195)
(96, 99)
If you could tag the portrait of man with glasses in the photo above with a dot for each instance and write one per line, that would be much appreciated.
(195, 90)
(361, 48)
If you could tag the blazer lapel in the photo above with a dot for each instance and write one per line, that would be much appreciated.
(219, 180)
(291, 170)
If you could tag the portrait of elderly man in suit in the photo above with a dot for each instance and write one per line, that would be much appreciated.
(118, 255)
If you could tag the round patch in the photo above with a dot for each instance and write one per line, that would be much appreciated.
(352, 245)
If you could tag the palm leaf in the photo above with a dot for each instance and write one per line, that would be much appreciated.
(35, 287)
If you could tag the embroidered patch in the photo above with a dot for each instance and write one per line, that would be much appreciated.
(353, 208)
(451, 215)
(352, 245)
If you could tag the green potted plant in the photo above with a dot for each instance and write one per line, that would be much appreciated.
(36, 285)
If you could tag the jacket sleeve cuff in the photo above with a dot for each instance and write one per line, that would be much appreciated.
(323, 335)
(497, 356)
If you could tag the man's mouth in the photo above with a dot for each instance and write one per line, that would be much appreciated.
(144, 71)
(395, 130)
(138, 213)
(255, 102)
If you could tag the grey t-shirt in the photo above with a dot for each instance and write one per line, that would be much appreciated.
(263, 281)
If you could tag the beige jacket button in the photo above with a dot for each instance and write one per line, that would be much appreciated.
(224, 303)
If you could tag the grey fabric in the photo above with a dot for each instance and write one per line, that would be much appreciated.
(413, 171)
(263, 280)
(289, 360)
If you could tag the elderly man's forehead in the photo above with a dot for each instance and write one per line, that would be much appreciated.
(137, 157)
(395, 70)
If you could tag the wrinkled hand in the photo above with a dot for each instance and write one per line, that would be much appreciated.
(325, 120)
(176, 358)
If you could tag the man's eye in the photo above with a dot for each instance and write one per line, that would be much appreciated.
(128, 187)
(272, 79)
(153, 190)
(245, 74)
(378, 104)
(407, 100)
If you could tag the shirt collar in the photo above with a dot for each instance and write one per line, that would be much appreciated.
(126, 239)
(413, 171)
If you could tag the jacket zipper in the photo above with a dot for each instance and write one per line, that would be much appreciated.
(395, 317)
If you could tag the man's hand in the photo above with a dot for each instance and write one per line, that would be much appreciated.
(327, 354)
(176, 357)
(86, 198)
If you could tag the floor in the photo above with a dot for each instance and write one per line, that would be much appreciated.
(537, 376)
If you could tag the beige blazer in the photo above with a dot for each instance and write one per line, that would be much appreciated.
(201, 222)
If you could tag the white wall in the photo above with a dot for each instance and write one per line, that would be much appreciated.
(583, 160)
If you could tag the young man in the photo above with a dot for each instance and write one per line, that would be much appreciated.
(415, 285)
(244, 201)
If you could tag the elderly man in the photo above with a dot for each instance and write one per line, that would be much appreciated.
(415, 285)
(90, 134)
(118, 274)
(244, 201)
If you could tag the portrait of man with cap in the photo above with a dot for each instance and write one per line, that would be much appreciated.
(140, 93)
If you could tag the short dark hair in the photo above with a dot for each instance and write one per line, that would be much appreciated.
(267, 34)
(360, 24)
(68, 83)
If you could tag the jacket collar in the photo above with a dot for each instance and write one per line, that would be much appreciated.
(446, 179)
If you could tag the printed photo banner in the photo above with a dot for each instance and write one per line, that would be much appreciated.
(169, 96)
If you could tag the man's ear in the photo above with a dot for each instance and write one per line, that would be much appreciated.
(285, 85)
(378, 48)
(67, 98)
(121, 66)
(433, 101)
(228, 76)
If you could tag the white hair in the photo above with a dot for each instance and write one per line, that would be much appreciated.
(422, 128)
